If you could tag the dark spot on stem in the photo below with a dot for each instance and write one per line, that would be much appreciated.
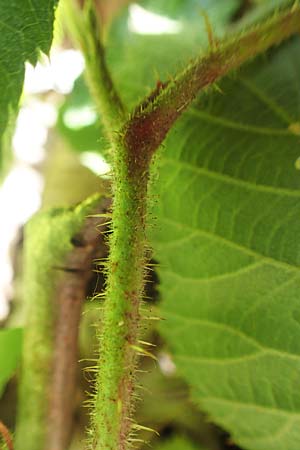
(78, 241)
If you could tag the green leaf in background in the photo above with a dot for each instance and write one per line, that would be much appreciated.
(139, 59)
(192, 11)
(78, 120)
(25, 29)
(178, 443)
(10, 353)
(229, 251)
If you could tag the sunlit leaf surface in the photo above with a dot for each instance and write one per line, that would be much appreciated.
(228, 243)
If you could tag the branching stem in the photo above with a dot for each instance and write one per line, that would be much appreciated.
(133, 144)
(111, 421)
(151, 121)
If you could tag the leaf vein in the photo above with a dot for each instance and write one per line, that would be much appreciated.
(246, 250)
(228, 179)
(238, 126)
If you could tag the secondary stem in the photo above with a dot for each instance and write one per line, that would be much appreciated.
(84, 26)
(71, 292)
(59, 254)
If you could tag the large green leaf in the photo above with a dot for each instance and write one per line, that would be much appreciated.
(229, 251)
(25, 29)
(10, 353)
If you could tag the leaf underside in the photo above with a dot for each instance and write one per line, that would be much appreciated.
(229, 251)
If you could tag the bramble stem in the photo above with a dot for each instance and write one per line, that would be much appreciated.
(113, 401)
(125, 267)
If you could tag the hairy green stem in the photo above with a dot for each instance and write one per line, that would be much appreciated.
(112, 406)
(119, 335)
